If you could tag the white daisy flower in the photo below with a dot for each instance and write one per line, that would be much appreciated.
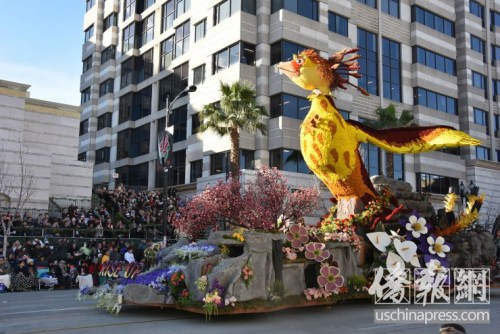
(417, 226)
(435, 267)
(437, 246)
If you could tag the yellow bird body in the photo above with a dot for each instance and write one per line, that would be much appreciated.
(329, 144)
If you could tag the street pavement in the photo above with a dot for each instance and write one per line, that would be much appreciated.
(59, 312)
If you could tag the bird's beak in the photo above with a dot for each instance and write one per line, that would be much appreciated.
(287, 69)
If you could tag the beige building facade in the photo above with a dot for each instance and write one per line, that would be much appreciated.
(39, 138)
(435, 58)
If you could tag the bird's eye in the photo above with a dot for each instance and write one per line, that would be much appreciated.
(299, 61)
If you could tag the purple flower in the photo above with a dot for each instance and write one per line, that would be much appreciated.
(297, 235)
(315, 251)
(330, 278)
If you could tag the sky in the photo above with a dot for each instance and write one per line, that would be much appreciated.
(41, 45)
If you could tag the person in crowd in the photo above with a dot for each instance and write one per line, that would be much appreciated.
(5, 271)
(452, 329)
(129, 255)
(23, 278)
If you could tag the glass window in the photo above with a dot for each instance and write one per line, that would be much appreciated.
(82, 156)
(84, 127)
(178, 118)
(196, 170)
(367, 44)
(199, 75)
(391, 7)
(237, 53)
(433, 21)
(219, 163)
(337, 23)
(434, 60)
(437, 184)
(222, 11)
(108, 54)
(167, 52)
(476, 44)
(391, 60)
(247, 159)
(480, 117)
(168, 15)
(399, 167)
(89, 4)
(102, 155)
(199, 30)
(288, 160)
(128, 8)
(284, 51)
(147, 29)
(110, 21)
(370, 155)
(371, 3)
(104, 121)
(435, 100)
(87, 64)
(89, 32)
(478, 80)
(249, 6)
(106, 87)
(306, 8)
(195, 123)
(85, 95)
(289, 106)
(182, 39)
(476, 9)
(495, 19)
(482, 153)
(128, 37)
(139, 141)
(143, 66)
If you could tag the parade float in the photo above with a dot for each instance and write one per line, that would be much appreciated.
(245, 248)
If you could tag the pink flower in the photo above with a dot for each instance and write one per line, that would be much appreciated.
(315, 251)
(297, 235)
(330, 278)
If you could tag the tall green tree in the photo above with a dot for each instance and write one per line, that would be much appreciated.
(387, 118)
(237, 110)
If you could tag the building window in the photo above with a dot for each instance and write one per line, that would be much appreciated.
(89, 4)
(481, 118)
(195, 123)
(196, 170)
(134, 176)
(128, 38)
(399, 167)
(495, 19)
(87, 64)
(482, 153)
(167, 52)
(477, 44)
(129, 8)
(127, 72)
(122, 144)
(306, 8)
(337, 23)
(102, 155)
(182, 39)
(391, 60)
(110, 21)
(289, 106)
(104, 121)
(344, 114)
(249, 6)
(496, 125)
(477, 9)
(222, 11)
(199, 75)
(370, 155)
(125, 108)
(82, 156)
(219, 163)
(371, 3)
(141, 103)
(177, 174)
(139, 141)
(89, 32)
(84, 127)
(231, 55)
(143, 66)
(178, 119)
(433, 100)
(496, 88)
(498, 155)
(182, 6)
(391, 7)
(478, 80)
(434, 60)
(367, 44)
(284, 51)
(147, 29)
(173, 84)
(288, 160)
(200, 30)
(106, 87)
(85, 95)
(108, 54)
(495, 53)
(436, 184)
(433, 21)
(247, 159)
(168, 15)
(145, 4)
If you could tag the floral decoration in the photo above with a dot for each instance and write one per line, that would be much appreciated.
(201, 283)
(437, 246)
(417, 226)
(330, 278)
(194, 251)
(247, 274)
(316, 251)
(297, 235)
(315, 293)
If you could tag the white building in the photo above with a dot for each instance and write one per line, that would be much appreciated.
(436, 58)
(44, 135)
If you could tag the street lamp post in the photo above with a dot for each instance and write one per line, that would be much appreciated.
(166, 148)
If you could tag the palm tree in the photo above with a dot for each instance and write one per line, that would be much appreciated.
(237, 110)
(387, 118)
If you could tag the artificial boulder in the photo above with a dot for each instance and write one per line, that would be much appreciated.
(346, 258)
(142, 294)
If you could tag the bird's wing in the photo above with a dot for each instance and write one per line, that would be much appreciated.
(413, 139)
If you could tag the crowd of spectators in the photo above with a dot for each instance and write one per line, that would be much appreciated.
(78, 241)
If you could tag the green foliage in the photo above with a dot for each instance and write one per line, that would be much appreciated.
(357, 283)
(387, 118)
